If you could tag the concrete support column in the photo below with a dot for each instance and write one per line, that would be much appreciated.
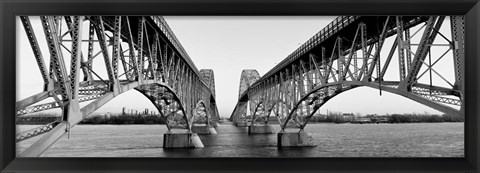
(181, 140)
(294, 139)
(242, 124)
(260, 129)
(203, 129)
(212, 130)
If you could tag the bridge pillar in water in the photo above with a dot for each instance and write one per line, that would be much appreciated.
(181, 140)
(261, 129)
(294, 139)
(242, 124)
(203, 129)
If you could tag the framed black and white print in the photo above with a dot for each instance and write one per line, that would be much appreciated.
(239, 86)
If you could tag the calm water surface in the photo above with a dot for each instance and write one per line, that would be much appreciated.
(332, 140)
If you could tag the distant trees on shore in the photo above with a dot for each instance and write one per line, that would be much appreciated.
(337, 117)
(128, 116)
(124, 119)
(150, 117)
(408, 118)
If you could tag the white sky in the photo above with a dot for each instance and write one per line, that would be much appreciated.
(228, 45)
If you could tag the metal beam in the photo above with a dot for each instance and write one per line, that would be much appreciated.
(40, 146)
(422, 50)
(48, 82)
(57, 61)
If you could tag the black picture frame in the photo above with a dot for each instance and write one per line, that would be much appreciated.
(11, 8)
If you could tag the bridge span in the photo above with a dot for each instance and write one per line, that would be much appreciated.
(138, 52)
(143, 54)
(351, 52)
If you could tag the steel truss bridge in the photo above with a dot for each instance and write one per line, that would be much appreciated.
(351, 52)
(135, 52)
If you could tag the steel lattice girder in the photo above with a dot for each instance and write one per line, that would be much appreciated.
(308, 78)
(155, 59)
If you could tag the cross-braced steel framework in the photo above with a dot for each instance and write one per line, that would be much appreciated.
(351, 52)
(247, 78)
(138, 52)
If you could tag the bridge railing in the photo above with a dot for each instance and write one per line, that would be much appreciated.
(162, 24)
(336, 25)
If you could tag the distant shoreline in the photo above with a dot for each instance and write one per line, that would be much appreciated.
(333, 118)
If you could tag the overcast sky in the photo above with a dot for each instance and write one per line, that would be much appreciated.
(228, 45)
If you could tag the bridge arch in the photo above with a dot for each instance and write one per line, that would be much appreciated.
(247, 78)
(145, 55)
(202, 113)
(267, 107)
(322, 94)
(347, 54)
(162, 96)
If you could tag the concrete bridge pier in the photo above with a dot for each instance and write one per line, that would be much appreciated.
(242, 124)
(294, 139)
(261, 129)
(203, 129)
(182, 140)
(215, 124)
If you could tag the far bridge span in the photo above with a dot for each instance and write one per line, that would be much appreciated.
(351, 52)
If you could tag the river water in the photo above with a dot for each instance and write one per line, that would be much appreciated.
(332, 140)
